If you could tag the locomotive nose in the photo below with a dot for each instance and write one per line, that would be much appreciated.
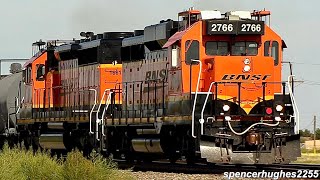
(241, 79)
(241, 69)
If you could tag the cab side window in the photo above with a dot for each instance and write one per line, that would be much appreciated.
(40, 72)
(271, 49)
(192, 51)
(26, 75)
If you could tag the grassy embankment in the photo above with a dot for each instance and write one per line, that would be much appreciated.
(23, 165)
(308, 157)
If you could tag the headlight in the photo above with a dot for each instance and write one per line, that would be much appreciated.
(246, 61)
(279, 108)
(246, 68)
(226, 108)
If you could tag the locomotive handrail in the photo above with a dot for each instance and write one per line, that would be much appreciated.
(195, 98)
(294, 105)
(245, 131)
(19, 107)
(105, 109)
(201, 120)
(90, 115)
(97, 114)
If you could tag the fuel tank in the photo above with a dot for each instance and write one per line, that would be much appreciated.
(9, 88)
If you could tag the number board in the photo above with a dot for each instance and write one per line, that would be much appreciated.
(234, 27)
(249, 27)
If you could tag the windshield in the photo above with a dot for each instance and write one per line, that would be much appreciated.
(244, 48)
(239, 48)
(215, 48)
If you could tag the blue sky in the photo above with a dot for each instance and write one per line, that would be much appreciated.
(23, 22)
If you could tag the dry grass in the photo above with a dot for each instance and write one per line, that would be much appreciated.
(309, 158)
(24, 165)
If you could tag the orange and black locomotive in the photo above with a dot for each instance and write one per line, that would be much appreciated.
(208, 87)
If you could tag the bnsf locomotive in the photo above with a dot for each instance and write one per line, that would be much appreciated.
(206, 87)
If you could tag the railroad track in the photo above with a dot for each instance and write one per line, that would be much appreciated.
(202, 168)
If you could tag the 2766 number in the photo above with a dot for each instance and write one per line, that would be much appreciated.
(222, 27)
(250, 27)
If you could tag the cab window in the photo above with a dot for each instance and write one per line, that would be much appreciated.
(271, 49)
(217, 48)
(40, 72)
(192, 51)
(244, 48)
(26, 75)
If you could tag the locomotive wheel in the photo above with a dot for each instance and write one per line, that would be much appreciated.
(115, 155)
(190, 154)
(129, 158)
(105, 154)
(27, 142)
(59, 153)
(87, 150)
(35, 144)
(13, 141)
(130, 155)
(173, 159)
(147, 159)
(191, 159)
(88, 145)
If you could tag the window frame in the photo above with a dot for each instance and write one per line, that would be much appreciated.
(40, 72)
(246, 48)
(27, 75)
(217, 46)
(188, 47)
(268, 50)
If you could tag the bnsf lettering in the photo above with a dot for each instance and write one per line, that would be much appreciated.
(229, 77)
(158, 74)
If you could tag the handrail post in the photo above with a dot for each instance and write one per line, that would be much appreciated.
(239, 97)
(294, 105)
(94, 105)
(264, 97)
(19, 107)
(97, 114)
(204, 106)
(109, 99)
(283, 96)
(215, 98)
(195, 98)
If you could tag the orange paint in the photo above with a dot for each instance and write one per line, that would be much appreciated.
(110, 78)
(38, 85)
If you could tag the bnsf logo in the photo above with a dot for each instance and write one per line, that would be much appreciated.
(158, 74)
(228, 77)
